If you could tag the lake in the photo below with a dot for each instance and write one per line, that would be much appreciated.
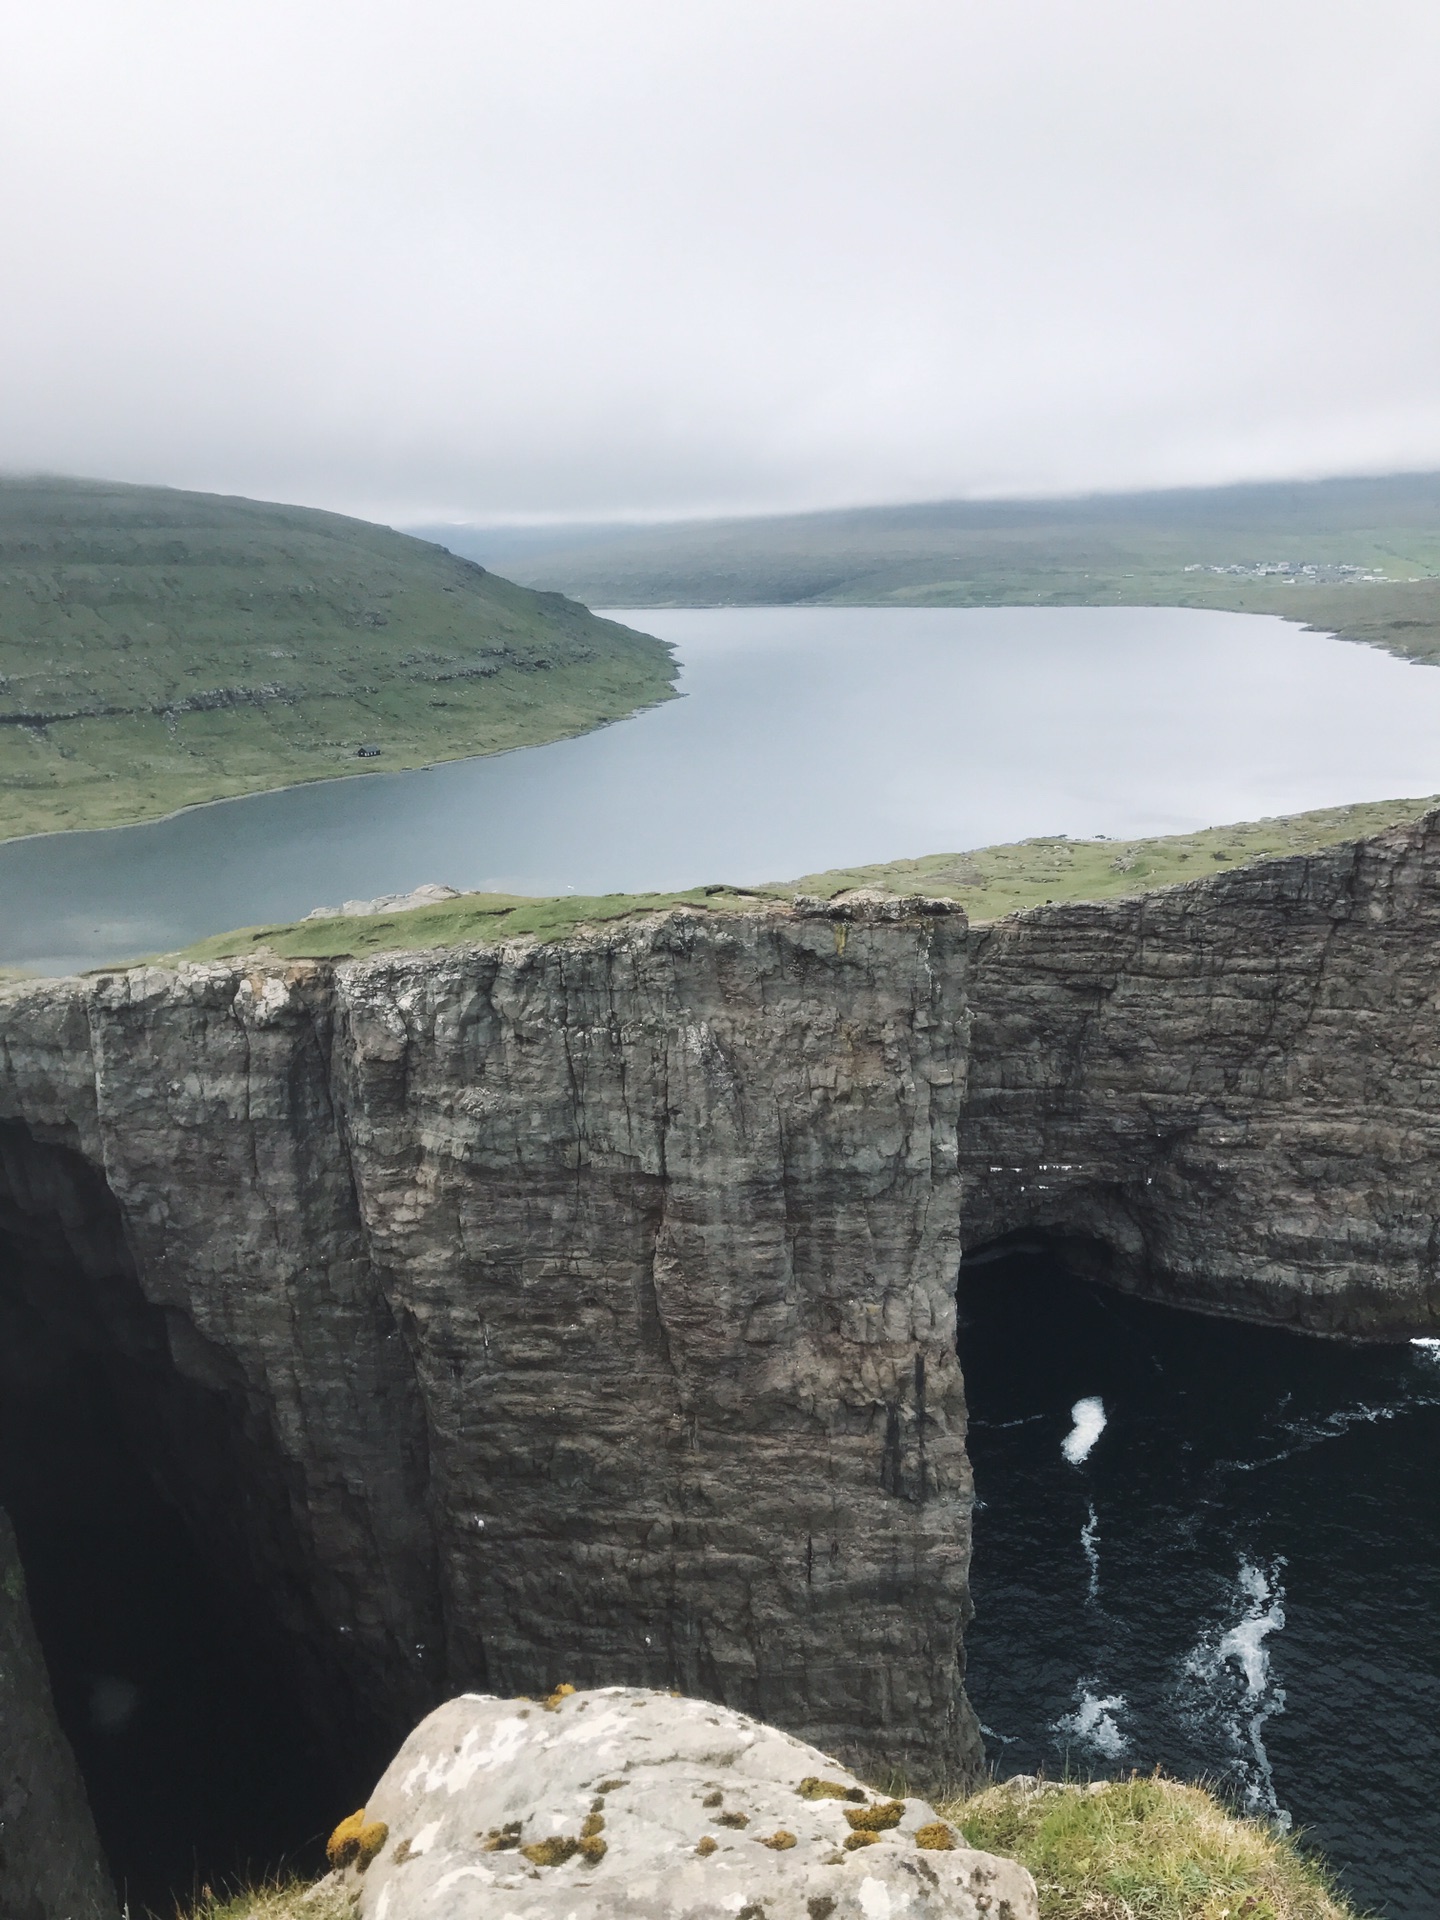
(807, 737)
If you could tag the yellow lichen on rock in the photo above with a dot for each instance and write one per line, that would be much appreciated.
(551, 1702)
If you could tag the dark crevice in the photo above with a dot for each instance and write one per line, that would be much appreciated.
(214, 1735)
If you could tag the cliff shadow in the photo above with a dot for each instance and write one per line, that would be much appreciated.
(189, 1704)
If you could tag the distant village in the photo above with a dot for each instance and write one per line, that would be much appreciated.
(1322, 575)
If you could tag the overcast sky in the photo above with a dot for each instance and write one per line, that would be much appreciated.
(473, 260)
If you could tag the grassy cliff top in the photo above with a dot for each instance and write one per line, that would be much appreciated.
(988, 883)
(1146, 1849)
(160, 648)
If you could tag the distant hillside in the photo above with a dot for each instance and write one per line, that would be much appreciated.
(159, 648)
(1371, 547)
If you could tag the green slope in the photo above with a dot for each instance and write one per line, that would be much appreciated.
(160, 648)
(988, 883)
(1156, 549)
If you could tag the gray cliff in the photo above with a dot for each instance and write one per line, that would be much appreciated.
(50, 1862)
(585, 1312)
(576, 1312)
(1225, 1095)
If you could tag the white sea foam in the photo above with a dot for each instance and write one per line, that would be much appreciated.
(1093, 1723)
(1228, 1675)
(1089, 1418)
(1090, 1547)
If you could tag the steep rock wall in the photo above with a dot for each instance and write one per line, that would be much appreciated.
(1227, 1094)
(571, 1312)
(585, 1311)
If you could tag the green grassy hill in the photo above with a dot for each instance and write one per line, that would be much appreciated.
(160, 648)
(1372, 547)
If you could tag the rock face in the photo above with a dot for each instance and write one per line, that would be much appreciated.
(1224, 1095)
(586, 1311)
(50, 1862)
(627, 1802)
(577, 1311)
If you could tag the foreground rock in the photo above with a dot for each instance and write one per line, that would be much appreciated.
(626, 1802)
(51, 1867)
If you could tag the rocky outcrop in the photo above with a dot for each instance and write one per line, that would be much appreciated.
(627, 1801)
(576, 1311)
(50, 1862)
(1225, 1095)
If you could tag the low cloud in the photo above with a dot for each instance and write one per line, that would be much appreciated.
(594, 259)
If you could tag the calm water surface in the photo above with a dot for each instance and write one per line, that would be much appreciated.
(806, 738)
(1214, 1547)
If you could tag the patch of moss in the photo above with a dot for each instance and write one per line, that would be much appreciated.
(356, 1841)
(706, 1846)
(553, 1852)
(812, 1787)
(854, 1841)
(778, 1842)
(734, 1820)
(877, 1819)
(935, 1837)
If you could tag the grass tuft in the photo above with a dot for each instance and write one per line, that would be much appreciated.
(283, 1898)
(1146, 1849)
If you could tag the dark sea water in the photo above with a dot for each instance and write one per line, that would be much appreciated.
(1214, 1548)
(805, 738)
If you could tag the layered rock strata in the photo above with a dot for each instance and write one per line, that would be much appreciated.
(1227, 1094)
(576, 1311)
(51, 1867)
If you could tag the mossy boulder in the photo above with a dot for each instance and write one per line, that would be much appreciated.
(621, 1800)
